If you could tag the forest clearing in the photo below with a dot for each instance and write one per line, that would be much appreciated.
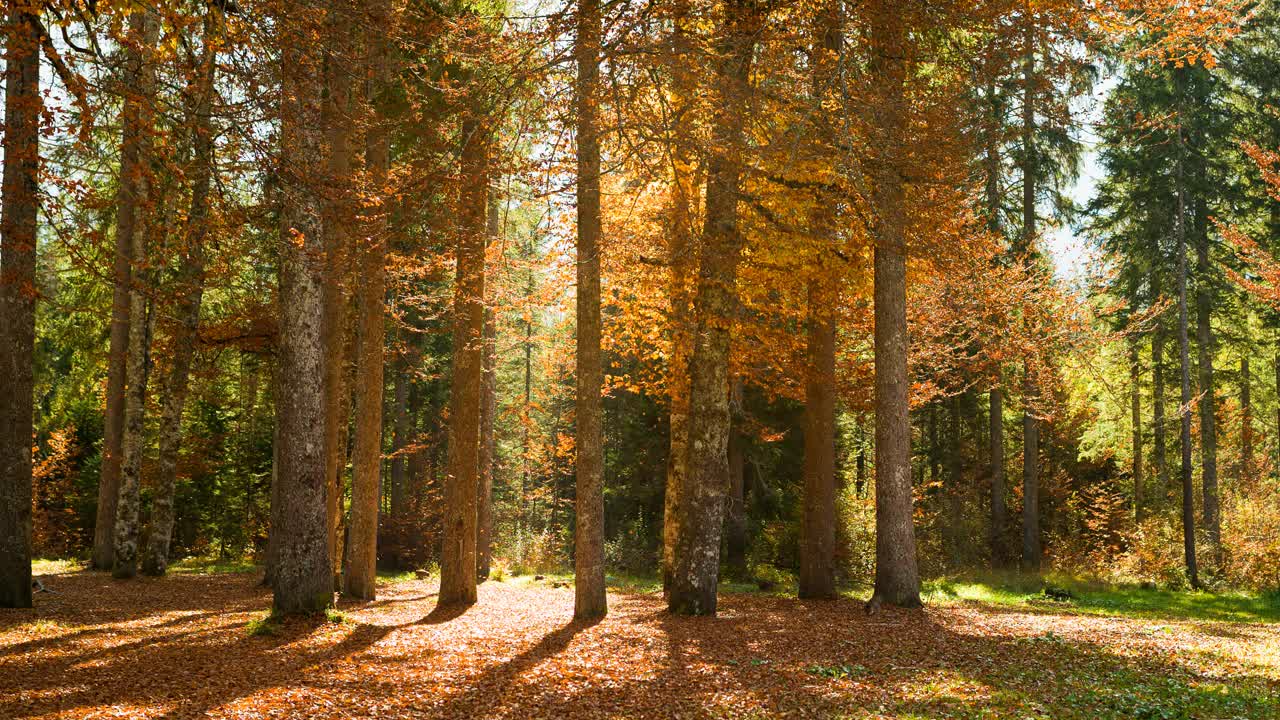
(706, 359)
(194, 645)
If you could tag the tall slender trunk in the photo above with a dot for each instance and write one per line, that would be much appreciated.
(303, 577)
(736, 518)
(400, 436)
(588, 557)
(897, 580)
(1205, 344)
(818, 521)
(1135, 407)
(138, 365)
(1245, 476)
(999, 508)
(488, 412)
(1030, 426)
(191, 287)
(682, 253)
(458, 552)
(1184, 361)
(697, 557)
(128, 196)
(19, 218)
(335, 289)
(954, 488)
(360, 578)
(1158, 430)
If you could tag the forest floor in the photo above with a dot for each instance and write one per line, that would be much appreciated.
(200, 645)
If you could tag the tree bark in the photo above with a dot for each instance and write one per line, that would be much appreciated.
(590, 600)
(19, 218)
(1245, 476)
(1159, 431)
(360, 579)
(999, 508)
(488, 413)
(128, 197)
(191, 289)
(458, 552)
(1135, 406)
(1184, 361)
(697, 552)
(1030, 427)
(683, 254)
(303, 578)
(138, 367)
(818, 521)
(897, 580)
(338, 217)
(736, 521)
(1208, 399)
(954, 489)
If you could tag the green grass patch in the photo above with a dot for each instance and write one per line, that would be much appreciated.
(264, 626)
(394, 577)
(57, 566)
(1098, 598)
(212, 566)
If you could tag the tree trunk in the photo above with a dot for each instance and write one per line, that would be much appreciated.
(697, 553)
(488, 414)
(400, 437)
(335, 291)
(588, 558)
(360, 579)
(1030, 426)
(137, 370)
(1245, 476)
(1159, 431)
(736, 521)
(683, 254)
(1135, 403)
(303, 578)
(1184, 362)
(1208, 400)
(191, 288)
(897, 580)
(458, 552)
(818, 522)
(999, 508)
(133, 165)
(954, 489)
(19, 216)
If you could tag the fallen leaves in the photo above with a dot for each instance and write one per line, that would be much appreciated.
(181, 647)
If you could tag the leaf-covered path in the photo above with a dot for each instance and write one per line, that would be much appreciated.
(181, 648)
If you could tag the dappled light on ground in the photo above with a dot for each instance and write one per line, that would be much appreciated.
(188, 646)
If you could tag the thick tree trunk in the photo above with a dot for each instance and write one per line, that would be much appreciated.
(1184, 362)
(1208, 400)
(897, 580)
(818, 521)
(19, 215)
(458, 551)
(191, 289)
(696, 566)
(488, 413)
(303, 577)
(588, 558)
(134, 136)
(1135, 407)
(682, 253)
(360, 578)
